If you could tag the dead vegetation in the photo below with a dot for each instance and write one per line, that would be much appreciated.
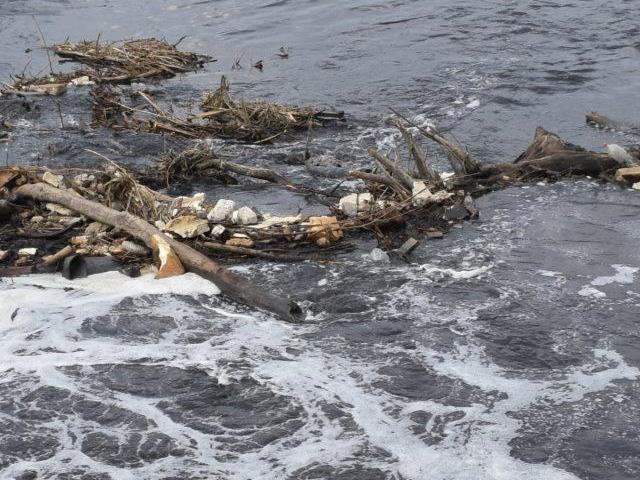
(130, 60)
(118, 62)
(257, 121)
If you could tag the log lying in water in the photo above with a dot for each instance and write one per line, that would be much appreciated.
(233, 286)
(548, 156)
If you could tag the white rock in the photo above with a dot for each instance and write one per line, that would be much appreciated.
(378, 255)
(3, 254)
(421, 194)
(53, 180)
(160, 225)
(218, 231)
(244, 216)
(222, 211)
(59, 209)
(636, 186)
(37, 219)
(28, 252)
(355, 202)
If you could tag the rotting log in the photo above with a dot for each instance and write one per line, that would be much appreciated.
(600, 120)
(548, 156)
(231, 285)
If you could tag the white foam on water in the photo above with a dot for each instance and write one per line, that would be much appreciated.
(624, 275)
(589, 291)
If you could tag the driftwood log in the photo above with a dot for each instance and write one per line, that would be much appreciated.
(233, 286)
(548, 156)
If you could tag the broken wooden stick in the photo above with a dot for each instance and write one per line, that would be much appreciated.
(418, 155)
(460, 159)
(384, 179)
(387, 165)
(233, 286)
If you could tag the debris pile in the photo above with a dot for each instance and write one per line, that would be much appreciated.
(224, 117)
(258, 120)
(111, 63)
(80, 221)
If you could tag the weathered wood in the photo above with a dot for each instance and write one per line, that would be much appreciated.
(253, 172)
(403, 177)
(418, 155)
(460, 159)
(600, 120)
(233, 286)
(544, 144)
(382, 179)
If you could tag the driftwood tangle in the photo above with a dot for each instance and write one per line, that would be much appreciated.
(233, 286)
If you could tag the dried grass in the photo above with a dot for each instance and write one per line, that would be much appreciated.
(126, 61)
(257, 120)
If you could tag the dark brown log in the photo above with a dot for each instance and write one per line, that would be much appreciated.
(544, 144)
(556, 165)
(233, 286)
(252, 252)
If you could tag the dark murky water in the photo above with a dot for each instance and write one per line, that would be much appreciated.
(508, 350)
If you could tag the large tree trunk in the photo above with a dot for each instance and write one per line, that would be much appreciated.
(233, 286)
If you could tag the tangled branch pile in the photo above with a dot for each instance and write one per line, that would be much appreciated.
(258, 120)
(255, 120)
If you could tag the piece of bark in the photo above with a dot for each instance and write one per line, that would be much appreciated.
(230, 284)
(546, 143)
(169, 265)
